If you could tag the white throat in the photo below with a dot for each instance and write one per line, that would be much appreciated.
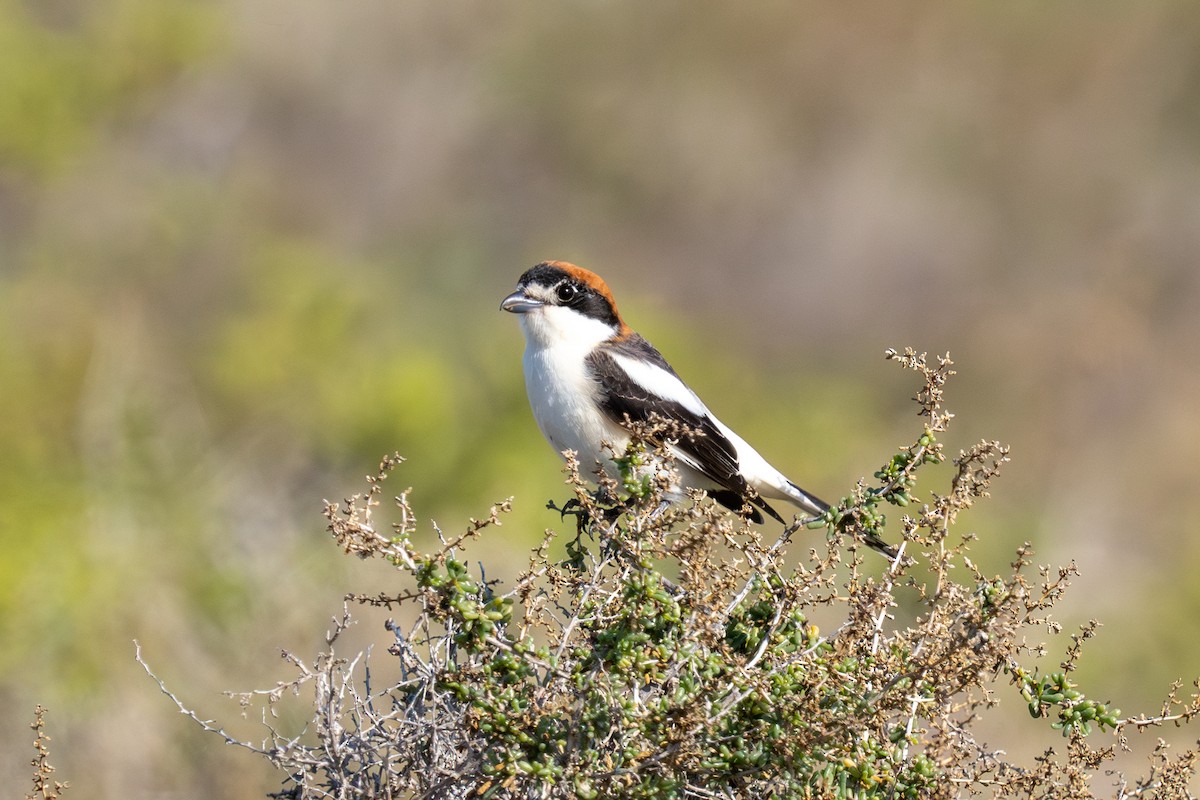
(562, 393)
(555, 326)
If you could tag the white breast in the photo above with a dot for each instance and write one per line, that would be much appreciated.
(562, 394)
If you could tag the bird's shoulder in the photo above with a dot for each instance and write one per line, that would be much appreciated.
(630, 367)
(635, 346)
(637, 385)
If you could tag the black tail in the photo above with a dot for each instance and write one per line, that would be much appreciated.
(816, 506)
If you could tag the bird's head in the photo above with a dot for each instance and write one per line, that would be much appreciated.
(560, 303)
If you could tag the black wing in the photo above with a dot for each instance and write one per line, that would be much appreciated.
(710, 452)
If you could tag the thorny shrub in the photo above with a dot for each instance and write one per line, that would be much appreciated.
(44, 785)
(668, 653)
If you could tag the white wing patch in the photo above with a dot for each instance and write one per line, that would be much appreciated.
(755, 469)
(659, 383)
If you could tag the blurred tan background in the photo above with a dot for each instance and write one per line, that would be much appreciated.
(247, 248)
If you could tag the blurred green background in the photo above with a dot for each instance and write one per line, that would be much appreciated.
(247, 248)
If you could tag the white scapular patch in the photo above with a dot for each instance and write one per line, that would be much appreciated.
(659, 383)
(758, 472)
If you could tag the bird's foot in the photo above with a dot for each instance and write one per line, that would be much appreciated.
(603, 509)
(572, 508)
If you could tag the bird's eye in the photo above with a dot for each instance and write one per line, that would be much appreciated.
(567, 292)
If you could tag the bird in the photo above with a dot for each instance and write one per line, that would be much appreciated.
(589, 376)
